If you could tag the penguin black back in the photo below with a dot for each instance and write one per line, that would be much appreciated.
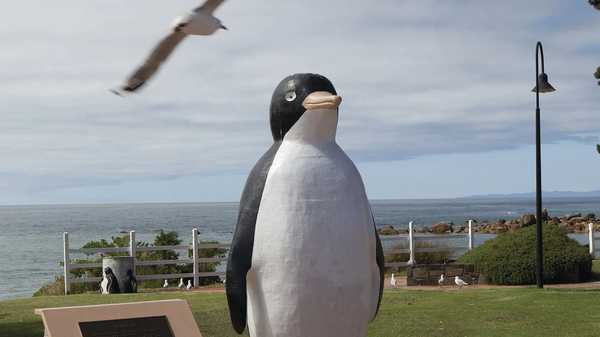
(286, 103)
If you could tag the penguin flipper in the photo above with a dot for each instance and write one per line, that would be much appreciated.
(381, 264)
(240, 253)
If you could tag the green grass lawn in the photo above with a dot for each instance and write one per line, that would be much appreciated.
(469, 312)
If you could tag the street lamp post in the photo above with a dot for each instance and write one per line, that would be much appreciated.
(541, 86)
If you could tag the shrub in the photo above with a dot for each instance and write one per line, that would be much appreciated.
(57, 288)
(420, 258)
(510, 257)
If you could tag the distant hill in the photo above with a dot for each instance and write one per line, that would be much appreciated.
(531, 195)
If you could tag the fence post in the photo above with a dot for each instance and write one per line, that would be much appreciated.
(470, 234)
(195, 255)
(132, 247)
(411, 244)
(66, 261)
(591, 240)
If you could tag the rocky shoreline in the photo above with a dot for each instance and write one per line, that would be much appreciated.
(573, 223)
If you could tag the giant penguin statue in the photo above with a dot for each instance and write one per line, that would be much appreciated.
(305, 258)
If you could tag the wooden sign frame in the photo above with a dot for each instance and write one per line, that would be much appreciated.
(64, 322)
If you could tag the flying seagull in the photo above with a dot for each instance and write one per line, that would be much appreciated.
(460, 282)
(198, 22)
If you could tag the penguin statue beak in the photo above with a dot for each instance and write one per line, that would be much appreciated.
(322, 100)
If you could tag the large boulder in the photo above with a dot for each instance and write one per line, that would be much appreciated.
(545, 215)
(441, 228)
(514, 226)
(388, 230)
(527, 220)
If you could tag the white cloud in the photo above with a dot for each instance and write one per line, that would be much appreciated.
(417, 77)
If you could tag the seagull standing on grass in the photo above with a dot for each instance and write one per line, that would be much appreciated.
(181, 284)
(441, 280)
(198, 22)
(460, 282)
(393, 281)
(189, 285)
(166, 284)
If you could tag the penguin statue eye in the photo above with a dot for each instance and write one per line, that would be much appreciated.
(290, 96)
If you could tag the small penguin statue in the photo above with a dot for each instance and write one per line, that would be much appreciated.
(112, 284)
(130, 283)
(104, 286)
(305, 259)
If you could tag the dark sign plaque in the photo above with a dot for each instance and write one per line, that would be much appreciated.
(157, 326)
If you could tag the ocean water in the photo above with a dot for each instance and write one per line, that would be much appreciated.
(31, 236)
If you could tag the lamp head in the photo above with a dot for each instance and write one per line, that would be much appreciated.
(545, 86)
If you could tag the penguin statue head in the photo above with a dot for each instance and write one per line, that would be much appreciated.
(108, 271)
(294, 95)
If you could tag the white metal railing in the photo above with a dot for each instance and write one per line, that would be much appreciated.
(592, 240)
(131, 250)
(412, 238)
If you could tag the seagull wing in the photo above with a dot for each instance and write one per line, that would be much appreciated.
(209, 6)
(159, 54)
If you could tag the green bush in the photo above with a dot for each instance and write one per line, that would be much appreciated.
(510, 257)
(420, 258)
(57, 288)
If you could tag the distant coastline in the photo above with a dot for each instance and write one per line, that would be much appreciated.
(531, 195)
(516, 196)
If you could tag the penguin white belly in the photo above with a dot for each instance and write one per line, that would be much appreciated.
(314, 270)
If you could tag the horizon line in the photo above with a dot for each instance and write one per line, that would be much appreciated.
(517, 195)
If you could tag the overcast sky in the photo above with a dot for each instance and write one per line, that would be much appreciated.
(437, 99)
